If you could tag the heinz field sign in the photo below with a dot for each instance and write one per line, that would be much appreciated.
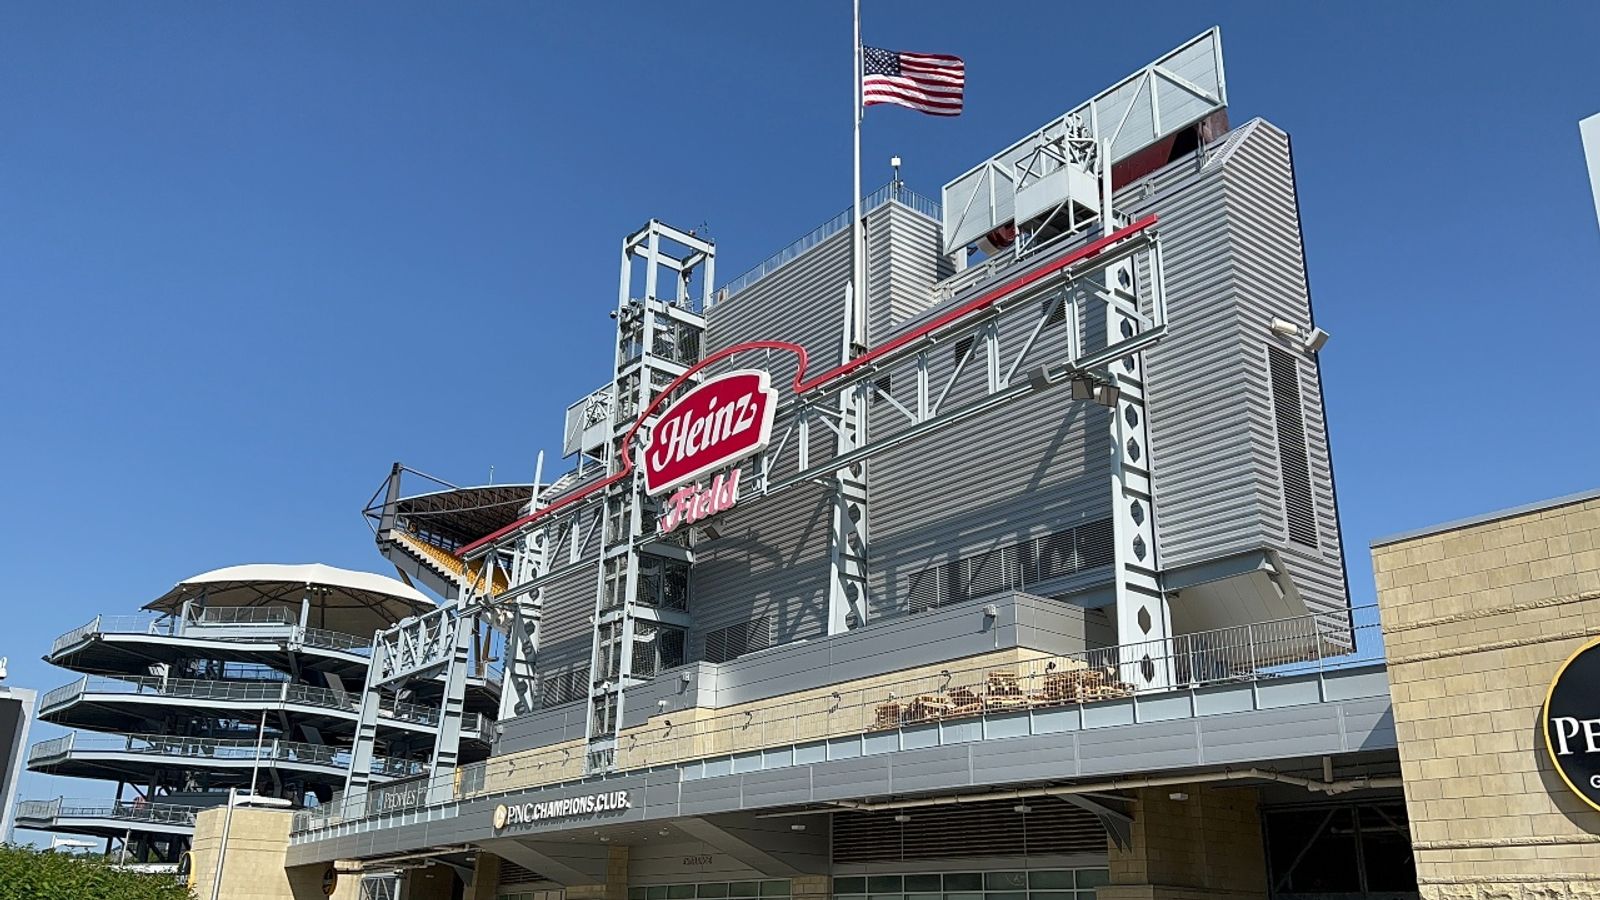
(719, 423)
(1572, 722)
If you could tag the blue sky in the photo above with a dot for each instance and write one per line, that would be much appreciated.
(250, 254)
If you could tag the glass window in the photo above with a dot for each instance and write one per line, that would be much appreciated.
(978, 896)
(637, 893)
(924, 897)
(659, 892)
(1051, 880)
(713, 890)
(922, 882)
(963, 881)
(744, 889)
(883, 884)
(680, 892)
(852, 885)
(1093, 878)
(1052, 895)
(1005, 881)
(775, 888)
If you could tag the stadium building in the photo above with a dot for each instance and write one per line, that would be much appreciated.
(1021, 580)
(240, 678)
(1016, 577)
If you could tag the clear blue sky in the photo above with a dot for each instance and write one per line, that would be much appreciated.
(252, 253)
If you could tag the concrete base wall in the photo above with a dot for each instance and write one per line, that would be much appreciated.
(1206, 846)
(1477, 619)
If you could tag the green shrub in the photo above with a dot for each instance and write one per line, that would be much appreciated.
(30, 874)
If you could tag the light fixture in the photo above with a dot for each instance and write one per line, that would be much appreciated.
(1179, 796)
(1022, 808)
(663, 832)
(1315, 340)
(1107, 395)
(1082, 387)
(797, 827)
(661, 704)
(902, 818)
(1310, 342)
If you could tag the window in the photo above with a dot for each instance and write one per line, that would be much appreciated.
(663, 583)
(605, 715)
(716, 890)
(655, 647)
(610, 640)
(1042, 884)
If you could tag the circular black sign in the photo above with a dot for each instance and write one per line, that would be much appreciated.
(1572, 722)
(330, 880)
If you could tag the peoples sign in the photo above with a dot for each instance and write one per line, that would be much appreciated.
(718, 423)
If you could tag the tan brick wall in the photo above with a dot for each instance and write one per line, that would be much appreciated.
(253, 865)
(791, 718)
(1476, 622)
(1207, 846)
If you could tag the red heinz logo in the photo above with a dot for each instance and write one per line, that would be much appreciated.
(720, 422)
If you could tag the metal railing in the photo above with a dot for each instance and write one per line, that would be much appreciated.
(892, 191)
(242, 615)
(167, 625)
(232, 692)
(121, 810)
(1244, 655)
(220, 749)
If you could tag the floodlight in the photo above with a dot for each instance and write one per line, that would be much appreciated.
(1284, 328)
(1315, 340)
(1107, 395)
(1082, 387)
(798, 826)
(1022, 808)
(902, 818)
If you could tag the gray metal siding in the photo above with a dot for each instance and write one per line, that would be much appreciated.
(1231, 242)
(772, 557)
(567, 637)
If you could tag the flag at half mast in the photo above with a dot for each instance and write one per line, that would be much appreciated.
(932, 83)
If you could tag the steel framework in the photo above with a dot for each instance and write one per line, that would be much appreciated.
(1105, 294)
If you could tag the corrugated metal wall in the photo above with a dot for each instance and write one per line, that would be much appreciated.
(1231, 241)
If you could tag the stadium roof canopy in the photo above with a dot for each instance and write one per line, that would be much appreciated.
(341, 598)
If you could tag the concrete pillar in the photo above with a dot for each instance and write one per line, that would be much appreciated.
(811, 887)
(1205, 847)
(615, 886)
(254, 869)
(436, 882)
(485, 877)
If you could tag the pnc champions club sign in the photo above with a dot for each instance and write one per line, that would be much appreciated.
(1572, 722)
(720, 422)
(508, 815)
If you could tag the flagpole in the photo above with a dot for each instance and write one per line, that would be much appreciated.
(857, 263)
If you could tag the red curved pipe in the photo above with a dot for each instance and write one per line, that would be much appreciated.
(801, 384)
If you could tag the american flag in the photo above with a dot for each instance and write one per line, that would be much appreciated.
(926, 82)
